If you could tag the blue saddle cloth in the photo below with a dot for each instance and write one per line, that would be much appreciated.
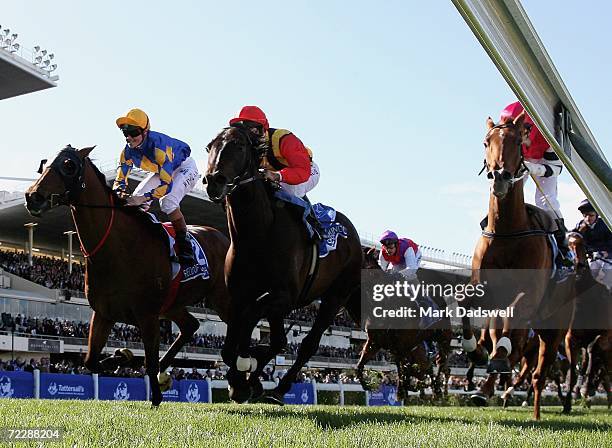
(326, 217)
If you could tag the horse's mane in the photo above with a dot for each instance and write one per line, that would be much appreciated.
(119, 201)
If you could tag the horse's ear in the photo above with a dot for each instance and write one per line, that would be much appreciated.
(84, 152)
(490, 123)
(518, 121)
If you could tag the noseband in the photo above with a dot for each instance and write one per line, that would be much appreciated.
(522, 170)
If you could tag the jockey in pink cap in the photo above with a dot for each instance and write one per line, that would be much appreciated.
(544, 166)
(400, 255)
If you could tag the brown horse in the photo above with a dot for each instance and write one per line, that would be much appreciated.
(128, 269)
(511, 243)
(590, 323)
(268, 265)
(407, 348)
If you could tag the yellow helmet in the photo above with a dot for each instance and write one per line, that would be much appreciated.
(134, 117)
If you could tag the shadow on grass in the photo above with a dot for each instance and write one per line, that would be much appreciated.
(332, 420)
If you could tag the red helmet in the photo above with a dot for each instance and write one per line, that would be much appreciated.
(251, 113)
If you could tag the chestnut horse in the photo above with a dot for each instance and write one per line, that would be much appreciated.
(268, 265)
(407, 348)
(128, 267)
(511, 243)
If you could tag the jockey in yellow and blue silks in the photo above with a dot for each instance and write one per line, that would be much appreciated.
(173, 173)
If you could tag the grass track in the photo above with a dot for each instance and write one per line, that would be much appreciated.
(134, 424)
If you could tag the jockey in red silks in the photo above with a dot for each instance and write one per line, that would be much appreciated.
(544, 166)
(286, 159)
(400, 255)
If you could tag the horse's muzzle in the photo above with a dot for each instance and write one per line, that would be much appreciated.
(216, 186)
(502, 181)
(36, 204)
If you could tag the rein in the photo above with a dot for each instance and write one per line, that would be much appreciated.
(106, 233)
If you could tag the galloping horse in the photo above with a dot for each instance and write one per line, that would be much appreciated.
(510, 242)
(406, 347)
(268, 264)
(590, 323)
(128, 269)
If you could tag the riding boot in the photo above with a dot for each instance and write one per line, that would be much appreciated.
(313, 221)
(560, 237)
(186, 256)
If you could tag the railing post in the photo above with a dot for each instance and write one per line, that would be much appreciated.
(341, 385)
(209, 385)
(36, 373)
(96, 386)
(314, 389)
(147, 387)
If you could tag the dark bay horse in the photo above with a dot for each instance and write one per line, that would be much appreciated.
(268, 264)
(128, 266)
(590, 326)
(407, 347)
(514, 254)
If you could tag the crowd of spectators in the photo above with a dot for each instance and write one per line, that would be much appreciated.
(309, 313)
(47, 271)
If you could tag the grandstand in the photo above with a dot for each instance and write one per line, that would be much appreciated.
(45, 316)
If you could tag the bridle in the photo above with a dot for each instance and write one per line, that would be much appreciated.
(71, 169)
(522, 169)
(249, 172)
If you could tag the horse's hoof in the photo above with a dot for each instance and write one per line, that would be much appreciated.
(479, 400)
(501, 365)
(164, 380)
(273, 397)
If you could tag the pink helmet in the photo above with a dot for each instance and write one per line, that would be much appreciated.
(512, 111)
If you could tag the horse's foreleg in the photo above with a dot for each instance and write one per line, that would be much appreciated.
(264, 353)
(309, 345)
(99, 329)
(188, 326)
(546, 356)
(149, 328)
(368, 352)
(571, 351)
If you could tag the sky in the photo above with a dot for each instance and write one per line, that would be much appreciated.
(391, 96)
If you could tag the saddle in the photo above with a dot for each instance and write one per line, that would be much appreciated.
(538, 219)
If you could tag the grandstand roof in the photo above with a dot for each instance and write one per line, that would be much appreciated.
(49, 233)
(18, 76)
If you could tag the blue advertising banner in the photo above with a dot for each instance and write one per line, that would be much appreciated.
(66, 387)
(111, 388)
(300, 393)
(194, 391)
(16, 385)
(386, 396)
(173, 394)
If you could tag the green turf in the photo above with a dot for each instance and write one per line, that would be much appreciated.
(133, 424)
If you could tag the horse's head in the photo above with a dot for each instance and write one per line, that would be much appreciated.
(575, 241)
(370, 258)
(233, 159)
(503, 154)
(60, 183)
